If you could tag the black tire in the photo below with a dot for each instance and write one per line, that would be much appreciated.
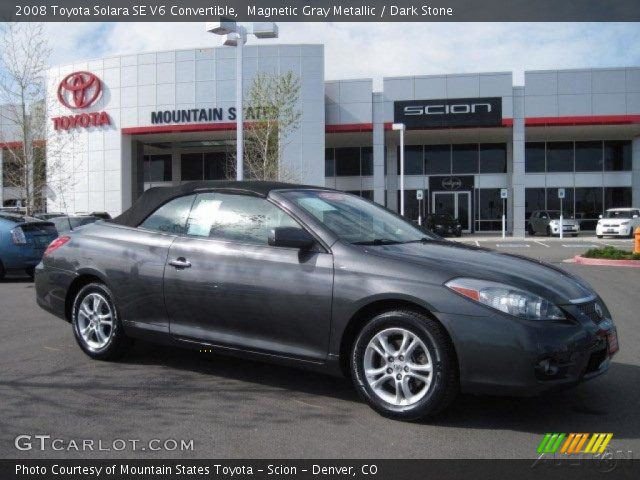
(530, 230)
(2, 271)
(444, 384)
(459, 234)
(31, 272)
(118, 343)
(574, 234)
(599, 236)
(548, 232)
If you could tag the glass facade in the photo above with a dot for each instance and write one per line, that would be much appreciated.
(489, 208)
(205, 166)
(583, 156)
(157, 168)
(348, 162)
(584, 203)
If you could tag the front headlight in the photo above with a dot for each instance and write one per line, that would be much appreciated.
(506, 298)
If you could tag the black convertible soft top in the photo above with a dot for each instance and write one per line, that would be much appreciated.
(154, 197)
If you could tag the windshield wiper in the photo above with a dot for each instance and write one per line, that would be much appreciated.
(378, 241)
(419, 240)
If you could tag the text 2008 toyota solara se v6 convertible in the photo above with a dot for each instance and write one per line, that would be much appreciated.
(323, 279)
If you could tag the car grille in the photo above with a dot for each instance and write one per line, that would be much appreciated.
(589, 309)
(609, 225)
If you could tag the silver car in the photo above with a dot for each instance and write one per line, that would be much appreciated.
(547, 222)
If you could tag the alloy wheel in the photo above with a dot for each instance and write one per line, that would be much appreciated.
(95, 321)
(398, 366)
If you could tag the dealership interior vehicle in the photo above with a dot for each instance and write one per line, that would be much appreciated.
(547, 222)
(318, 278)
(619, 222)
(22, 242)
(443, 224)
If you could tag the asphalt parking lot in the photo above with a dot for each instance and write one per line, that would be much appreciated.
(241, 409)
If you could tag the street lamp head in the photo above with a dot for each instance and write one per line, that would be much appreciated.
(223, 27)
(231, 40)
(265, 29)
(397, 126)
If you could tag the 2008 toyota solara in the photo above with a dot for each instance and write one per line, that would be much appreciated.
(313, 277)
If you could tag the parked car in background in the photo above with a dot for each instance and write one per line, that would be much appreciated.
(48, 215)
(100, 215)
(443, 224)
(619, 222)
(71, 222)
(23, 241)
(318, 278)
(547, 222)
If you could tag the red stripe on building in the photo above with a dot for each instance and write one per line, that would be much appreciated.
(10, 145)
(349, 128)
(582, 120)
(368, 127)
(191, 127)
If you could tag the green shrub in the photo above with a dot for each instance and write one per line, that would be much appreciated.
(611, 253)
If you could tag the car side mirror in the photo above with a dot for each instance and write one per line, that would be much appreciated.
(291, 237)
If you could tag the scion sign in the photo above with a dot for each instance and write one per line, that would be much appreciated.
(451, 112)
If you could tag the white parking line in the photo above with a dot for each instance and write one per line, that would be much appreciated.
(477, 243)
(543, 244)
(578, 245)
(512, 245)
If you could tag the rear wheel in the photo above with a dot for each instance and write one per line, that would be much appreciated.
(96, 323)
(404, 366)
(599, 236)
(2, 271)
(548, 232)
(31, 271)
(530, 230)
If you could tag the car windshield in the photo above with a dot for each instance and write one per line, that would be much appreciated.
(355, 220)
(617, 214)
(442, 217)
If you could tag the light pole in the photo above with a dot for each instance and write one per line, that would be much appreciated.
(401, 128)
(236, 34)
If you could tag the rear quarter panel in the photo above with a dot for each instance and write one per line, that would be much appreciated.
(129, 261)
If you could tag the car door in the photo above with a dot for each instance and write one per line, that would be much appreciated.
(226, 286)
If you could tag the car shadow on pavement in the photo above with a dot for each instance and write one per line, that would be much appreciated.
(604, 404)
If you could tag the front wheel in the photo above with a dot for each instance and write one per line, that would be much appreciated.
(96, 324)
(31, 272)
(2, 271)
(404, 366)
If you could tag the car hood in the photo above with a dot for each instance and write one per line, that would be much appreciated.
(446, 260)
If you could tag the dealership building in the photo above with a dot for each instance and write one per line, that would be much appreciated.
(130, 122)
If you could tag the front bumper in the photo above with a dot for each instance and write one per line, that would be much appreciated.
(617, 231)
(501, 355)
(570, 229)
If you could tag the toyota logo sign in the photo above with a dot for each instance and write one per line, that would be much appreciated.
(79, 90)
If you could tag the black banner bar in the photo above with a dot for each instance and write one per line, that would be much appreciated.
(547, 468)
(322, 10)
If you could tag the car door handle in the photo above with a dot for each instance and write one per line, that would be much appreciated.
(180, 262)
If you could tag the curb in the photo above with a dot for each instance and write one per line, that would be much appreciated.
(604, 262)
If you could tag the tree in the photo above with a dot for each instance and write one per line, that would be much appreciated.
(24, 53)
(272, 115)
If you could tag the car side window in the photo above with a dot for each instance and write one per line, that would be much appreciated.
(236, 218)
(170, 217)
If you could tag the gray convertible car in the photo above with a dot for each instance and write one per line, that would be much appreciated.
(317, 278)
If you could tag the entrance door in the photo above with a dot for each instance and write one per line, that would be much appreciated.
(456, 204)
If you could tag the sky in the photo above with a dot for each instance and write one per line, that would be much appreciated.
(356, 50)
